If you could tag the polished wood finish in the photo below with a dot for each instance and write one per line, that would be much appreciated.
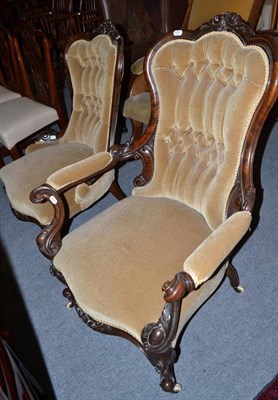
(143, 21)
(33, 51)
(9, 70)
(158, 337)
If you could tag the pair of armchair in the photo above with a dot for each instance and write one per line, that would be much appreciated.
(211, 91)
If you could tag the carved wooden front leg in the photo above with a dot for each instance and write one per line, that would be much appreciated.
(158, 343)
(159, 338)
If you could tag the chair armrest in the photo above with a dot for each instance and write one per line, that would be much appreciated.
(203, 262)
(80, 171)
(137, 66)
(49, 240)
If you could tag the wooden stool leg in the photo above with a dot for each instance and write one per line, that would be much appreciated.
(15, 153)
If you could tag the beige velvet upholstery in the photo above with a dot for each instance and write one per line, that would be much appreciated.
(92, 67)
(201, 136)
(125, 271)
(208, 92)
(21, 118)
(6, 94)
(138, 107)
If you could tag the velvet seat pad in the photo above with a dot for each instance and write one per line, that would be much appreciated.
(21, 118)
(6, 94)
(32, 170)
(116, 263)
(138, 107)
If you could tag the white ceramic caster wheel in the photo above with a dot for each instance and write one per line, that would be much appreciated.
(240, 289)
(69, 305)
(177, 388)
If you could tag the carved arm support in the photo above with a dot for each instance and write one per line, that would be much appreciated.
(158, 338)
(88, 171)
(49, 240)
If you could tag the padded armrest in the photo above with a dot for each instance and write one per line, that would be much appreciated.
(137, 66)
(202, 263)
(80, 170)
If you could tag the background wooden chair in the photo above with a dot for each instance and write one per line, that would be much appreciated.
(89, 15)
(10, 83)
(211, 92)
(24, 118)
(95, 66)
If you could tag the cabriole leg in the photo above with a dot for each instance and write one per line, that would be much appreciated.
(232, 274)
(164, 365)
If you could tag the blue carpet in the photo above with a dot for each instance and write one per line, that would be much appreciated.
(228, 352)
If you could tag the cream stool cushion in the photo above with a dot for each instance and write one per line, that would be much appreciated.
(6, 94)
(21, 118)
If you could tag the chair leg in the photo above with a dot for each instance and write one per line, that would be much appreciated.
(15, 153)
(164, 365)
(117, 191)
(232, 274)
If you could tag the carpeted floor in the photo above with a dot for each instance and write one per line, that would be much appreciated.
(229, 350)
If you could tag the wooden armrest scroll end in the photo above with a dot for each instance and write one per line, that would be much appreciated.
(178, 287)
(49, 240)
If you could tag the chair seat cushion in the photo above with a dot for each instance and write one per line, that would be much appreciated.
(6, 94)
(20, 177)
(138, 107)
(128, 252)
(21, 118)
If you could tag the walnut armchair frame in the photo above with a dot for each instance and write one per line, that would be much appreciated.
(158, 337)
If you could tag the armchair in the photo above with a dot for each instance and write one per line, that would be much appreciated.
(211, 91)
(95, 66)
(137, 106)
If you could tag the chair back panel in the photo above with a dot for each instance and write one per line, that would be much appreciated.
(92, 67)
(8, 65)
(33, 52)
(200, 11)
(208, 91)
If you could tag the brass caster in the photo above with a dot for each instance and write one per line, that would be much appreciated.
(240, 289)
(69, 305)
(177, 388)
